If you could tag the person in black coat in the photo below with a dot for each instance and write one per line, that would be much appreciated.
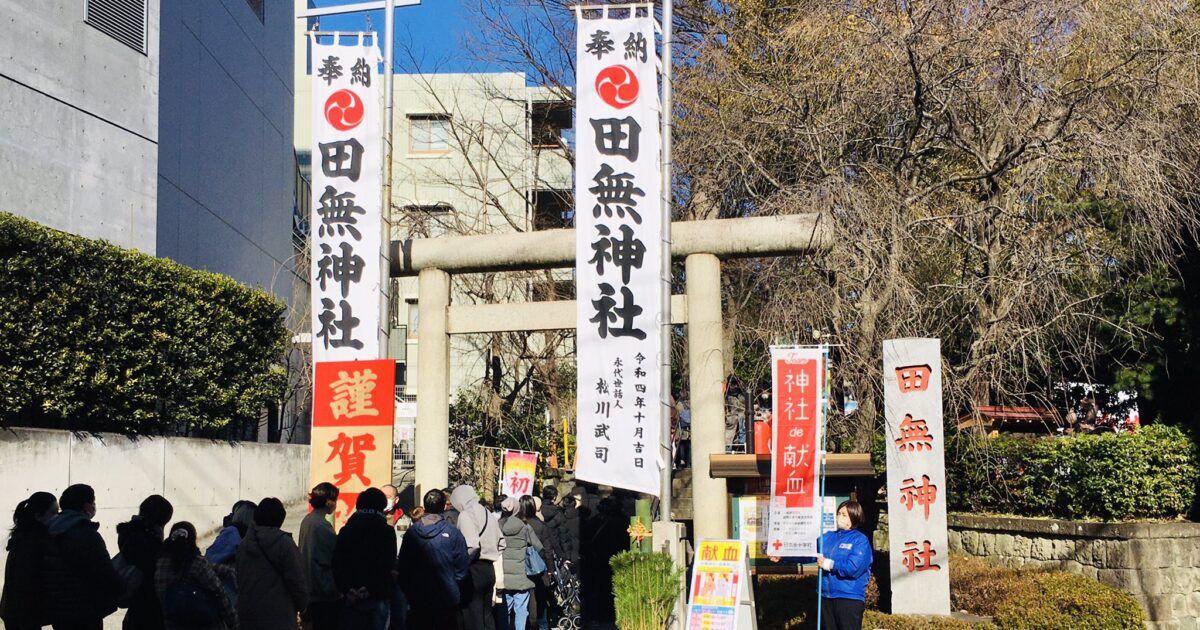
(139, 541)
(570, 542)
(22, 605)
(80, 579)
(555, 520)
(605, 534)
(362, 564)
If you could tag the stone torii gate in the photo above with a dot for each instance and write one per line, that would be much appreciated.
(702, 245)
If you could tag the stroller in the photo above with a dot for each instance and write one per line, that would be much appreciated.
(566, 592)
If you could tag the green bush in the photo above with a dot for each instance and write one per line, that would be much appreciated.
(875, 620)
(1064, 601)
(94, 337)
(645, 587)
(1150, 474)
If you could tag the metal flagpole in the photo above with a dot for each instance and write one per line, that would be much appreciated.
(665, 481)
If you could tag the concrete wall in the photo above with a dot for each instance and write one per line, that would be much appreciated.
(78, 123)
(226, 164)
(1158, 562)
(201, 478)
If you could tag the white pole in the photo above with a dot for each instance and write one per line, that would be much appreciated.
(665, 481)
(389, 47)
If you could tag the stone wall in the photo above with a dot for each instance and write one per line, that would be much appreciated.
(1158, 562)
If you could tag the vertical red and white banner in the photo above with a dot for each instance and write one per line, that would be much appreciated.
(353, 408)
(798, 407)
(347, 179)
(916, 476)
(518, 473)
(619, 249)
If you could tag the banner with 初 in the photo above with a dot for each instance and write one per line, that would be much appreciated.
(916, 476)
(518, 473)
(353, 407)
(798, 407)
(619, 250)
(346, 222)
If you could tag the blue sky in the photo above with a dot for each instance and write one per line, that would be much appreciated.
(429, 36)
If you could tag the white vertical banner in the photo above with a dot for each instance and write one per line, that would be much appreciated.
(916, 477)
(346, 223)
(798, 399)
(619, 250)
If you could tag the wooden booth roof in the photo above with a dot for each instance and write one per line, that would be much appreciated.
(752, 465)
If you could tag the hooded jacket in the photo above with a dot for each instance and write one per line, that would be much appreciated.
(139, 542)
(317, 543)
(79, 578)
(517, 536)
(272, 585)
(481, 534)
(364, 553)
(433, 563)
(23, 604)
(851, 554)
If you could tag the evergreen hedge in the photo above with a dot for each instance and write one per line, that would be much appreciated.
(94, 337)
(1150, 474)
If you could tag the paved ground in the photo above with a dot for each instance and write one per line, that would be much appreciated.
(295, 514)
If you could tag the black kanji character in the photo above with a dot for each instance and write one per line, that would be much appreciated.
(337, 213)
(638, 372)
(600, 44)
(360, 73)
(602, 408)
(615, 192)
(342, 158)
(635, 47)
(343, 328)
(602, 431)
(602, 453)
(639, 462)
(330, 70)
(617, 136)
(601, 247)
(638, 446)
(627, 252)
(601, 386)
(343, 269)
(607, 312)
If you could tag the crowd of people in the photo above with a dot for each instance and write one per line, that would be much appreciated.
(452, 562)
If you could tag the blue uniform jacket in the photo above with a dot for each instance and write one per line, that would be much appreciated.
(851, 554)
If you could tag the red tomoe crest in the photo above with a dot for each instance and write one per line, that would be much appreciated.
(618, 86)
(344, 110)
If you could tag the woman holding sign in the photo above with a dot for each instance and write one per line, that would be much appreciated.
(845, 558)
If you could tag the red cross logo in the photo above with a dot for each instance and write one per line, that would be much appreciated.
(777, 545)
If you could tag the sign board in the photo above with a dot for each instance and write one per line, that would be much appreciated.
(516, 479)
(720, 588)
(916, 476)
(352, 427)
(346, 222)
(619, 251)
(798, 404)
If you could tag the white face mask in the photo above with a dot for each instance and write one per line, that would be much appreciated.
(843, 519)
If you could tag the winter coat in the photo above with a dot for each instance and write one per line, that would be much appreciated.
(79, 577)
(433, 563)
(23, 604)
(365, 555)
(851, 554)
(140, 542)
(570, 542)
(272, 584)
(482, 536)
(556, 523)
(200, 574)
(317, 542)
(517, 536)
(543, 533)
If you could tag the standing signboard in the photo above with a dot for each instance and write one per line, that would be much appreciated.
(798, 404)
(619, 250)
(517, 473)
(720, 587)
(916, 476)
(352, 427)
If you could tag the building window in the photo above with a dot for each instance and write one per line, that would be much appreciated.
(259, 8)
(548, 121)
(553, 209)
(428, 133)
(122, 20)
(429, 221)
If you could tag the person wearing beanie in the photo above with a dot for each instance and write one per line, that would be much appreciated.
(363, 559)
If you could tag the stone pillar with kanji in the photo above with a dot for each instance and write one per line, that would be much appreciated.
(916, 477)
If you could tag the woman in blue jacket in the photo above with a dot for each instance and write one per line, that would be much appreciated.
(845, 556)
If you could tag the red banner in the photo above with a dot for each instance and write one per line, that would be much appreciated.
(798, 390)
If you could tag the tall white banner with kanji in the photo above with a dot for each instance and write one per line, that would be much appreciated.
(916, 477)
(619, 250)
(346, 222)
(799, 402)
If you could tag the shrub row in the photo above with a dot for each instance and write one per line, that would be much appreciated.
(1150, 474)
(94, 337)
